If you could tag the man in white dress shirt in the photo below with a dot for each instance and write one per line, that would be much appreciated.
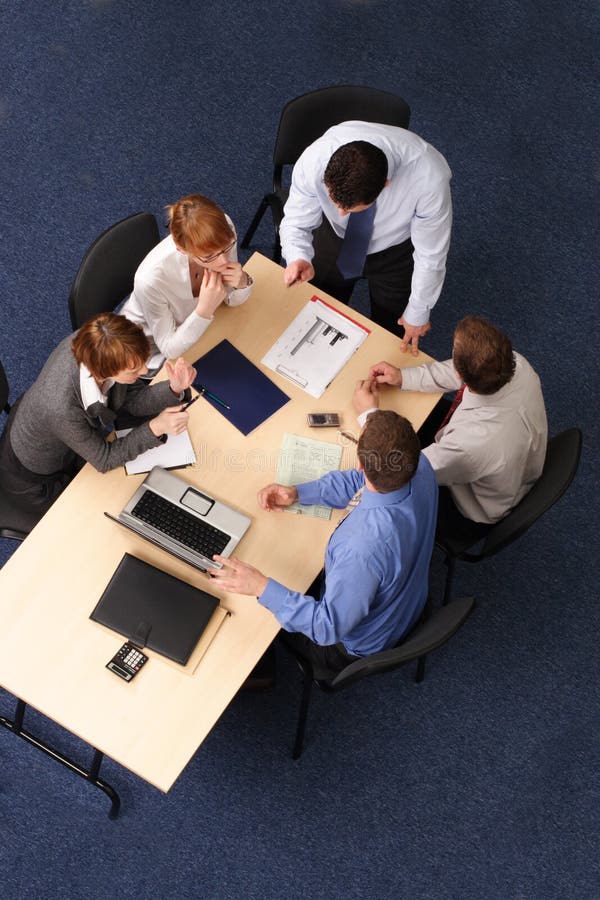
(352, 167)
(488, 449)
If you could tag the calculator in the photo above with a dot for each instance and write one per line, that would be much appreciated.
(127, 662)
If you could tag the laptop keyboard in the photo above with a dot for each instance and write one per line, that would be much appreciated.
(179, 524)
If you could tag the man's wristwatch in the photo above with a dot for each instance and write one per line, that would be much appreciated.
(249, 281)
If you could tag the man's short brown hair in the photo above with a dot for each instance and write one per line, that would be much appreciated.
(356, 174)
(482, 355)
(108, 344)
(388, 450)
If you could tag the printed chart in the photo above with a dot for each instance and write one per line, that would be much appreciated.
(315, 347)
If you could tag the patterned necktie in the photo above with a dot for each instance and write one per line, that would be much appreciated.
(352, 256)
(352, 504)
(452, 410)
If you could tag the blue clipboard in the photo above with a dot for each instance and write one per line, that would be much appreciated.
(230, 375)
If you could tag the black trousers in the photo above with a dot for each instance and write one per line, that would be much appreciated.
(388, 273)
(29, 491)
(326, 661)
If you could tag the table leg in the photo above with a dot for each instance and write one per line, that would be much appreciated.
(16, 726)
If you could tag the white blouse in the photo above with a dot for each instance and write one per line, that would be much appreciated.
(162, 301)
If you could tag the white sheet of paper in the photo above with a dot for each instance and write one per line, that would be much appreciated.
(176, 452)
(304, 459)
(315, 347)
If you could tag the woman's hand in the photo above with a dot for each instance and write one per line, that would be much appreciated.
(212, 294)
(172, 420)
(181, 375)
(234, 276)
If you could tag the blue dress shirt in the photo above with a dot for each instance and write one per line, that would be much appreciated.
(376, 564)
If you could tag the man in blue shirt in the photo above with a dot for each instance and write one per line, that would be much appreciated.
(376, 565)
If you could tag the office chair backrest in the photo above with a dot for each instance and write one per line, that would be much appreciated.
(14, 522)
(424, 638)
(305, 118)
(560, 466)
(105, 276)
(3, 390)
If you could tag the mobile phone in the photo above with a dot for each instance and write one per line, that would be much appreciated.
(323, 420)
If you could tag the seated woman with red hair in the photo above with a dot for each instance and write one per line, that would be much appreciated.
(184, 279)
(65, 417)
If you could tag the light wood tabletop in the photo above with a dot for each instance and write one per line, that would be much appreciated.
(53, 656)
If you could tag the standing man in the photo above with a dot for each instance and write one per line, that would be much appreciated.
(373, 201)
(488, 447)
(377, 561)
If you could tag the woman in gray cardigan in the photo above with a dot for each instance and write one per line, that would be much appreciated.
(64, 418)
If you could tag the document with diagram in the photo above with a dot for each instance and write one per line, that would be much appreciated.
(315, 347)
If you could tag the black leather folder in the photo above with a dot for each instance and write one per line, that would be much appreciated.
(154, 609)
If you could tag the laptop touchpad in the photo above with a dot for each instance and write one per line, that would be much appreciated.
(200, 503)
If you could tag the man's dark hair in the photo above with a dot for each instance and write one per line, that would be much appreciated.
(388, 450)
(356, 174)
(482, 355)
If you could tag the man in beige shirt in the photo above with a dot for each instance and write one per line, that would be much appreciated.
(491, 449)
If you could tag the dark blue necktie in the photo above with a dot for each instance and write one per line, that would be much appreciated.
(351, 260)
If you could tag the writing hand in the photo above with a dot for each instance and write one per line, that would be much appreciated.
(172, 420)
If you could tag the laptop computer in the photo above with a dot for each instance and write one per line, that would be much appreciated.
(184, 521)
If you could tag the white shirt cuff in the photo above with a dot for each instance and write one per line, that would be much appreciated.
(363, 416)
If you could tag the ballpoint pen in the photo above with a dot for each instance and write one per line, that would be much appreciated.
(203, 391)
(350, 437)
(189, 403)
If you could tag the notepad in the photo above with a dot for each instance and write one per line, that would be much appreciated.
(175, 453)
(230, 375)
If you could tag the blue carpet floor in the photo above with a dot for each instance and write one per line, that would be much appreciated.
(478, 783)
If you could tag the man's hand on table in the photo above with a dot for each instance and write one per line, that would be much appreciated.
(238, 577)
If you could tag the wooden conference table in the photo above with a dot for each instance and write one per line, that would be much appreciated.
(52, 656)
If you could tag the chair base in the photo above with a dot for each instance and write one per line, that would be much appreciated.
(274, 203)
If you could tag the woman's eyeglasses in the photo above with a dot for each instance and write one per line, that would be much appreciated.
(208, 259)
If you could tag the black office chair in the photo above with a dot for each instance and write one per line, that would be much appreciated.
(428, 635)
(14, 523)
(560, 466)
(304, 119)
(105, 276)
